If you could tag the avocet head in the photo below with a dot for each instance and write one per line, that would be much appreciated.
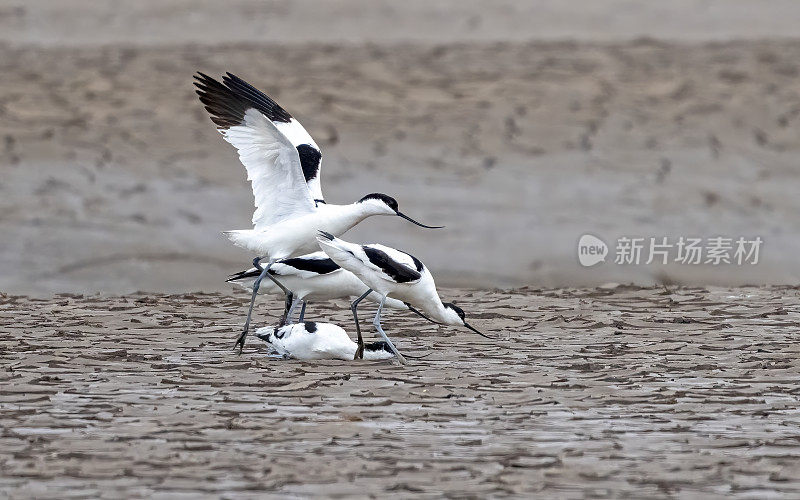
(454, 315)
(377, 350)
(292, 339)
(381, 204)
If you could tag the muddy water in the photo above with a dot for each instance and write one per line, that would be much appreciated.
(602, 392)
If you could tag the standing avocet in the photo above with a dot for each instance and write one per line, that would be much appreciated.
(389, 271)
(312, 340)
(310, 277)
(283, 163)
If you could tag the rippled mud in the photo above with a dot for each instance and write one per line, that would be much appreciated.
(607, 392)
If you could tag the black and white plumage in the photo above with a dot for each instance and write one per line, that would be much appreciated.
(311, 277)
(267, 129)
(283, 164)
(389, 271)
(314, 340)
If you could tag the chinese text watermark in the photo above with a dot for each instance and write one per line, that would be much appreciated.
(684, 250)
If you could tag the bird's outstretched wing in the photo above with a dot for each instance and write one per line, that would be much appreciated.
(281, 159)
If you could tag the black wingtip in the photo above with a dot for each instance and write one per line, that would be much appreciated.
(250, 273)
(228, 101)
(225, 107)
(255, 97)
(327, 236)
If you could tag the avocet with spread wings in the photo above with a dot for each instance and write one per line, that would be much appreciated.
(283, 164)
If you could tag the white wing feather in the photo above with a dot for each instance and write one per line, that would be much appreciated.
(298, 136)
(273, 168)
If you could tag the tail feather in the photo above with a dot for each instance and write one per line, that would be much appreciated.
(244, 238)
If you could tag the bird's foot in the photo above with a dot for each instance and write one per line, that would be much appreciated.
(240, 341)
(359, 351)
(400, 357)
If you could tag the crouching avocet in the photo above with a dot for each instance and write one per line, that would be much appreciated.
(311, 277)
(386, 271)
(283, 163)
(312, 340)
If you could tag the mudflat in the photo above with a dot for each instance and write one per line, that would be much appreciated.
(115, 180)
(604, 392)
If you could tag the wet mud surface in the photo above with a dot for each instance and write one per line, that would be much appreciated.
(115, 180)
(606, 392)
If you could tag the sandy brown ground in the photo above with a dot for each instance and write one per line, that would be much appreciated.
(114, 179)
(607, 392)
(164, 22)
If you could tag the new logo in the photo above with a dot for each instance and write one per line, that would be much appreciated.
(591, 250)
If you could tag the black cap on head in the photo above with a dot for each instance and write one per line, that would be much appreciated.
(460, 313)
(454, 307)
(390, 202)
(266, 337)
(378, 346)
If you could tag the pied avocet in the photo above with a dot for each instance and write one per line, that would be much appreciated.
(312, 340)
(389, 271)
(283, 164)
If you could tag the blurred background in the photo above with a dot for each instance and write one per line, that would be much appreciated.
(519, 125)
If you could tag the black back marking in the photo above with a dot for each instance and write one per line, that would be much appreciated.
(309, 160)
(417, 262)
(397, 271)
(318, 266)
(378, 346)
(391, 202)
(228, 103)
(311, 326)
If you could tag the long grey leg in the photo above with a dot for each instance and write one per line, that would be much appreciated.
(377, 323)
(257, 265)
(353, 306)
(286, 308)
(290, 311)
(302, 312)
(256, 285)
